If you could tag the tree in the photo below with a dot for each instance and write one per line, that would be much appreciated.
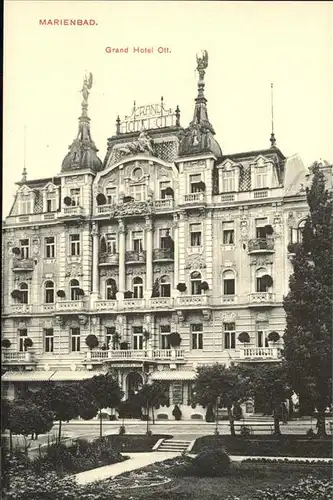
(308, 305)
(219, 386)
(104, 390)
(27, 418)
(151, 395)
(272, 382)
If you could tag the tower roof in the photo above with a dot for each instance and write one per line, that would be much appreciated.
(83, 152)
(199, 135)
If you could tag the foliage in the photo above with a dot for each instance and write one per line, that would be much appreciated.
(273, 336)
(237, 411)
(61, 294)
(210, 415)
(101, 199)
(308, 305)
(128, 294)
(67, 201)
(210, 463)
(267, 280)
(153, 394)
(269, 230)
(204, 286)
(87, 405)
(26, 418)
(123, 346)
(122, 430)
(175, 339)
(92, 341)
(6, 343)
(5, 413)
(306, 489)
(30, 486)
(176, 412)
(245, 431)
(181, 287)
(28, 342)
(244, 337)
(16, 250)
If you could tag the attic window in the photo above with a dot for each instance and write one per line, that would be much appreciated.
(51, 201)
(260, 177)
(25, 204)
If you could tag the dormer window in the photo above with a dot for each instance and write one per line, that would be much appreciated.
(195, 183)
(75, 197)
(228, 181)
(261, 177)
(51, 201)
(25, 204)
(229, 172)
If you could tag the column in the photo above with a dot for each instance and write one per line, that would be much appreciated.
(95, 272)
(121, 231)
(176, 251)
(149, 256)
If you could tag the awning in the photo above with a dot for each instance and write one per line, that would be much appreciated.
(173, 375)
(27, 376)
(68, 375)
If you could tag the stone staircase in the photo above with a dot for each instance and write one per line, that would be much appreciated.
(174, 445)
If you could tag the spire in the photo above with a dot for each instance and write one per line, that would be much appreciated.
(24, 173)
(82, 152)
(200, 115)
(272, 138)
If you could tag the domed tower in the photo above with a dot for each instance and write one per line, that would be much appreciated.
(83, 152)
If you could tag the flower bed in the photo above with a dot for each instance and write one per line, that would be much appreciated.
(135, 443)
(287, 445)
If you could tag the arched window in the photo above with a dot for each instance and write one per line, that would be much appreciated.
(74, 287)
(165, 286)
(102, 245)
(261, 285)
(195, 283)
(110, 289)
(228, 282)
(49, 292)
(24, 293)
(138, 288)
(300, 230)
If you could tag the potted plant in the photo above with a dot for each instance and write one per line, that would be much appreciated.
(128, 199)
(175, 339)
(101, 199)
(80, 292)
(181, 287)
(156, 289)
(169, 191)
(115, 339)
(61, 294)
(16, 251)
(67, 201)
(176, 412)
(128, 294)
(202, 186)
(28, 342)
(124, 346)
(16, 294)
(244, 337)
(273, 336)
(92, 341)
(6, 343)
(267, 280)
(269, 230)
(204, 286)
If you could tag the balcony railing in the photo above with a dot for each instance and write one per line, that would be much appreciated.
(168, 354)
(23, 265)
(71, 211)
(193, 300)
(70, 305)
(106, 305)
(46, 308)
(228, 299)
(255, 353)
(132, 256)
(161, 302)
(227, 197)
(167, 203)
(21, 309)
(261, 298)
(195, 197)
(163, 254)
(257, 195)
(13, 357)
(109, 258)
(133, 304)
(134, 354)
(261, 245)
(104, 209)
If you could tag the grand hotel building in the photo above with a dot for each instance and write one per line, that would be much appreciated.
(166, 234)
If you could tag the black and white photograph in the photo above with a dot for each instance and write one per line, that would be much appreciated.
(167, 250)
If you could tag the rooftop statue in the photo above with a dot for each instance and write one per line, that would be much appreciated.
(142, 145)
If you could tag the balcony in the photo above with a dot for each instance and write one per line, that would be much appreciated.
(106, 305)
(21, 309)
(227, 197)
(133, 304)
(47, 308)
(132, 257)
(17, 357)
(162, 205)
(99, 356)
(228, 299)
(23, 265)
(72, 212)
(70, 306)
(260, 194)
(260, 245)
(168, 354)
(261, 299)
(195, 198)
(185, 301)
(104, 209)
(111, 259)
(163, 254)
(260, 353)
(161, 303)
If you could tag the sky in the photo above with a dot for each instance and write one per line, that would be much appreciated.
(250, 45)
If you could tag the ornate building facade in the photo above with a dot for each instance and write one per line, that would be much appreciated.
(167, 235)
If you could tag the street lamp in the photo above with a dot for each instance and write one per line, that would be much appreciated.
(218, 401)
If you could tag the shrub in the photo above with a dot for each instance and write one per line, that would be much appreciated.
(28, 486)
(176, 412)
(210, 416)
(181, 287)
(308, 488)
(310, 433)
(101, 199)
(92, 341)
(6, 343)
(211, 463)
(237, 412)
(16, 250)
(122, 430)
(245, 431)
(175, 339)
(28, 342)
(274, 336)
(244, 337)
(61, 294)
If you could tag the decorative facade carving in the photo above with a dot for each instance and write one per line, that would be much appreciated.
(206, 313)
(132, 208)
(228, 317)
(60, 320)
(143, 144)
(75, 179)
(195, 262)
(74, 270)
(194, 165)
(260, 260)
(109, 273)
(244, 229)
(82, 319)
(136, 270)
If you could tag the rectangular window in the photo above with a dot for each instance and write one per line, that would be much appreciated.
(111, 243)
(197, 340)
(137, 241)
(228, 233)
(165, 331)
(75, 196)
(25, 205)
(51, 200)
(260, 177)
(229, 287)
(164, 238)
(48, 339)
(22, 335)
(195, 180)
(75, 337)
(137, 338)
(261, 285)
(261, 228)
(229, 335)
(49, 247)
(195, 235)
(24, 246)
(228, 181)
(109, 332)
(111, 195)
(74, 244)
(163, 186)
(138, 192)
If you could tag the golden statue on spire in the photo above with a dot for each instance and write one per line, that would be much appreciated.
(87, 84)
(202, 62)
